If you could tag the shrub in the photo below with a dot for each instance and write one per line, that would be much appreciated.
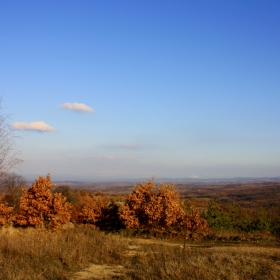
(194, 223)
(140, 207)
(6, 213)
(215, 216)
(89, 209)
(147, 208)
(38, 207)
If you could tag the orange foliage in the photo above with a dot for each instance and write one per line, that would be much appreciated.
(162, 209)
(39, 207)
(6, 213)
(170, 206)
(140, 207)
(89, 209)
(193, 222)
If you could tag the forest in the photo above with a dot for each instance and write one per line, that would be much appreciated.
(150, 209)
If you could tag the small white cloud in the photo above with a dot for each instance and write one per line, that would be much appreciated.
(37, 126)
(80, 107)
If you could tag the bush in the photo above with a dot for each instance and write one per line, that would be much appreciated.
(151, 208)
(38, 207)
(216, 217)
(89, 209)
(6, 213)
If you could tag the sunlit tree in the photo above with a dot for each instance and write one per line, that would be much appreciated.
(141, 207)
(89, 209)
(38, 207)
(6, 212)
(151, 207)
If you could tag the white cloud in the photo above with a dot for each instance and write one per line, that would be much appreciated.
(37, 126)
(80, 107)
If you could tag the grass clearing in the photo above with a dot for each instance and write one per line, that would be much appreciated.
(83, 253)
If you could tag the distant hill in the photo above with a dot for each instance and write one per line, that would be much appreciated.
(83, 180)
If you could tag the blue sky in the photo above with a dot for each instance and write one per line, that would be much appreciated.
(102, 90)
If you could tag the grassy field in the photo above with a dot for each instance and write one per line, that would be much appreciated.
(82, 253)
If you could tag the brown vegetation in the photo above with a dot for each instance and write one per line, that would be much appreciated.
(150, 208)
(43, 254)
(39, 207)
(6, 212)
(247, 194)
(89, 208)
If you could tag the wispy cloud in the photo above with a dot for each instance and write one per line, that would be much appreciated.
(79, 107)
(108, 157)
(112, 158)
(123, 146)
(129, 146)
(103, 158)
(36, 126)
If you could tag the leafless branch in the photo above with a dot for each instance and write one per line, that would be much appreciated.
(9, 157)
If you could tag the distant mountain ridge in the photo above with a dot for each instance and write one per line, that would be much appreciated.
(234, 179)
(181, 180)
(68, 180)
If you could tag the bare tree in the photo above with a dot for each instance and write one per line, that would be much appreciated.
(11, 185)
(9, 157)
(10, 181)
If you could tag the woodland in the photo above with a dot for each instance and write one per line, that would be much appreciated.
(150, 209)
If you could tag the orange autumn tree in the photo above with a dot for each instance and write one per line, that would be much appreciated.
(39, 207)
(192, 222)
(148, 207)
(171, 212)
(6, 212)
(141, 207)
(89, 209)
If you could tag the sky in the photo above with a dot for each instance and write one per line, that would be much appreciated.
(112, 90)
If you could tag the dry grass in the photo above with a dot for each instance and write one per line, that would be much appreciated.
(160, 262)
(41, 254)
(231, 235)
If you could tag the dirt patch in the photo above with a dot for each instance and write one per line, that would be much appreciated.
(158, 242)
(96, 271)
(137, 246)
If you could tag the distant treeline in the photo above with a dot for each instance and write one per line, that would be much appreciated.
(242, 219)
